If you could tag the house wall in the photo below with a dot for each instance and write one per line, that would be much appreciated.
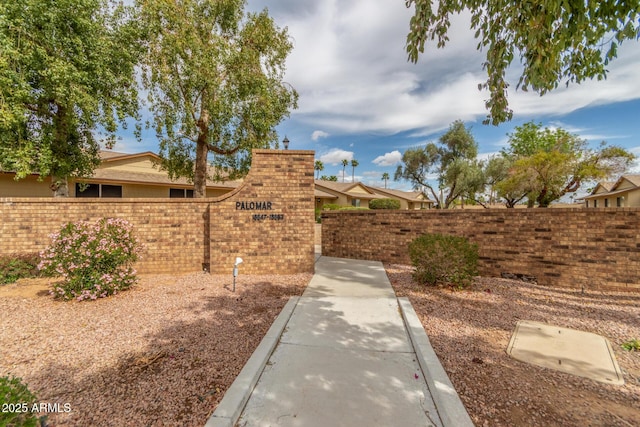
(32, 187)
(633, 198)
(590, 248)
(187, 235)
(214, 192)
(27, 187)
(138, 191)
(342, 200)
(625, 184)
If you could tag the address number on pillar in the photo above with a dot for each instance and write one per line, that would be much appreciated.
(268, 217)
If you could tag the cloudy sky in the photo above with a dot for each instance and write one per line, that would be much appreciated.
(361, 99)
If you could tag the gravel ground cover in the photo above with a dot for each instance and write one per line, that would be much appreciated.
(164, 352)
(470, 330)
(160, 354)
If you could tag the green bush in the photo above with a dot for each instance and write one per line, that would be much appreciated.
(440, 259)
(336, 207)
(17, 266)
(16, 401)
(632, 345)
(384, 204)
(331, 207)
(94, 260)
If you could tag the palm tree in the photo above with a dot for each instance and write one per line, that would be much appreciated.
(385, 178)
(345, 162)
(319, 166)
(354, 163)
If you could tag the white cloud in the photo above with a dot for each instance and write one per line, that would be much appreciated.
(350, 67)
(388, 159)
(317, 134)
(635, 166)
(335, 156)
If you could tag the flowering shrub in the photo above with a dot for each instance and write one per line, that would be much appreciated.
(94, 260)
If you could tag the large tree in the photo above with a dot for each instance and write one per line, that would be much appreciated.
(550, 163)
(66, 75)
(354, 165)
(557, 41)
(345, 162)
(385, 178)
(453, 162)
(318, 166)
(510, 188)
(215, 81)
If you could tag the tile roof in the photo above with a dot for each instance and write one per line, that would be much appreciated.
(633, 178)
(150, 178)
(611, 187)
(107, 174)
(413, 196)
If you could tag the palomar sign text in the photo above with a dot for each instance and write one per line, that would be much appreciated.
(254, 206)
(259, 206)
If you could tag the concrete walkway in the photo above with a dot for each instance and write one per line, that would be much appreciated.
(345, 353)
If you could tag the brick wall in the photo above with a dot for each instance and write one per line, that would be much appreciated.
(171, 230)
(276, 232)
(186, 235)
(594, 248)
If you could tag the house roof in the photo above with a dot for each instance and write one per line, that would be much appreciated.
(410, 196)
(612, 188)
(345, 188)
(107, 155)
(149, 178)
(634, 179)
(105, 173)
(319, 194)
(604, 185)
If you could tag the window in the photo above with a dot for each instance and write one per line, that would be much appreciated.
(87, 190)
(606, 203)
(595, 203)
(98, 190)
(355, 203)
(111, 191)
(180, 193)
(620, 202)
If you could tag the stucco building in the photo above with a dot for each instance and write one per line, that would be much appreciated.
(359, 195)
(119, 175)
(625, 192)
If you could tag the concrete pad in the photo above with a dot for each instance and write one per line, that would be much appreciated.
(343, 277)
(575, 352)
(316, 386)
(348, 322)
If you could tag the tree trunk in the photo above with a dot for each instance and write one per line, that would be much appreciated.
(59, 186)
(200, 174)
(202, 152)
